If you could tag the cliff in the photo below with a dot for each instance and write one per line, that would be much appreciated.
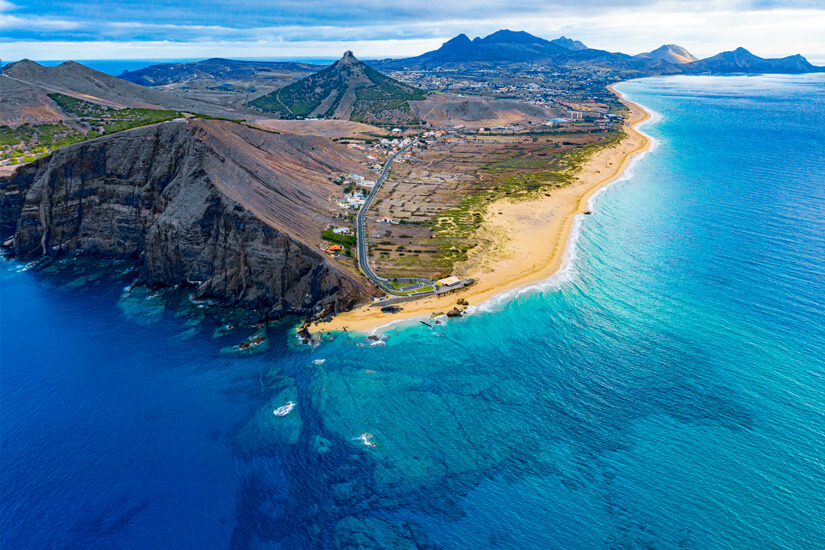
(211, 204)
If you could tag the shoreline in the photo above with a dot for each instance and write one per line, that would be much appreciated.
(510, 256)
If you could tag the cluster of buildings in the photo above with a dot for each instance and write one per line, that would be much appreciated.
(361, 181)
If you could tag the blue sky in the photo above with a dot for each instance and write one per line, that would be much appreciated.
(121, 29)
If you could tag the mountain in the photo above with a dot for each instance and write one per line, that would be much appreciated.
(507, 45)
(216, 69)
(519, 48)
(26, 86)
(568, 43)
(626, 65)
(741, 60)
(233, 212)
(501, 46)
(670, 53)
(348, 89)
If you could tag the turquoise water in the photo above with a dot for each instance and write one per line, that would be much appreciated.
(667, 391)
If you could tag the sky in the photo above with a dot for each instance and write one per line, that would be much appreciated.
(168, 29)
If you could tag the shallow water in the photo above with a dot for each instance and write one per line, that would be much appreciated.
(666, 392)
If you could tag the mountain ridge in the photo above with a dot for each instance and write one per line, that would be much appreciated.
(215, 67)
(520, 47)
(741, 60)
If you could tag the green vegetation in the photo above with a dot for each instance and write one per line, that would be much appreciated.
(37, 139)
(109, 119)
(343, 239)
(299, 99)
(376, 96)
(90, 120)
(386, 96)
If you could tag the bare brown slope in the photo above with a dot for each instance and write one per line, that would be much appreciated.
(20, 103)
(213, 205)
(478, 112)
(29, 79)
(282, 178)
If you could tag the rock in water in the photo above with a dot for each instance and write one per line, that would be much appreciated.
(455, 312)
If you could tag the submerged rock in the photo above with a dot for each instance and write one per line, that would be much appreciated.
(369, 533)
(274, 427)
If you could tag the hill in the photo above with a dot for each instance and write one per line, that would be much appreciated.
(741, 60)
(348, 89)
(215, 69)
(670, 53)
(26, 86)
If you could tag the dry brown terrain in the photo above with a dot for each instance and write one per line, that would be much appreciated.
(327, 128)
(440, 195)
(474, 112)
(286, 177)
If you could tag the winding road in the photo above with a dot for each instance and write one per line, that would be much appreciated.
(361, 228)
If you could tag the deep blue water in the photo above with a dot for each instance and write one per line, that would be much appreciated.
(669, 394)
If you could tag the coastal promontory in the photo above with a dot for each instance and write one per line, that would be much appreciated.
(231, 211)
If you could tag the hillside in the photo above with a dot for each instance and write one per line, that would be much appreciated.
(235, 212)
(216, 70)
(670, 53)
(477, 112)
(26, 85)
(741, 60)
(348, 89)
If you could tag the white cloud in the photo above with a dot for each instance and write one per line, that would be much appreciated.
(184, 50)
(11, 22)
(710, 27)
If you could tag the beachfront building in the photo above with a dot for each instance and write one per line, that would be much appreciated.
(448, 281)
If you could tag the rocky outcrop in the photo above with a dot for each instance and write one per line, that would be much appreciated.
(166, 197)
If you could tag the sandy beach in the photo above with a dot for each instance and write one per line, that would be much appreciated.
(521, 242)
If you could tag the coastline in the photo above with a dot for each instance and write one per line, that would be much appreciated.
(522, 242)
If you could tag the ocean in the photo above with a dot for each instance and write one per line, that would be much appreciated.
(666, 391)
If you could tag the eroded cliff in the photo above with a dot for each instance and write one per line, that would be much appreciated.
(231, 211)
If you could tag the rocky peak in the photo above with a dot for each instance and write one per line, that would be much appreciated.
(348, 59)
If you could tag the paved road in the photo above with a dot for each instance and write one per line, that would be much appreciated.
(361, 225)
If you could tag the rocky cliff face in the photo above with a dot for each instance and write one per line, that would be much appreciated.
(162, 195)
